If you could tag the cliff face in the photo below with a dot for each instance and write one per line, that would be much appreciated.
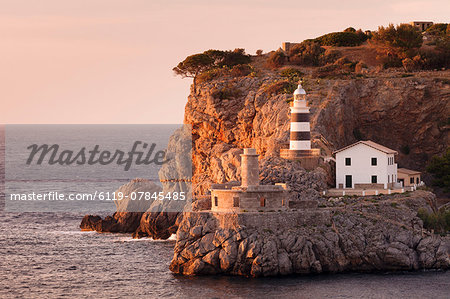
(344, 235)
(408, 114)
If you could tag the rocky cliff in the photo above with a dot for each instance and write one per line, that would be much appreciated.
(408, 114)
(363, 234)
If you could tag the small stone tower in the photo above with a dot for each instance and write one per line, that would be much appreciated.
(249, 168)
(250, 196)
(300, 133)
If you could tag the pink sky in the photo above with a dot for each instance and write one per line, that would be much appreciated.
(109, 61)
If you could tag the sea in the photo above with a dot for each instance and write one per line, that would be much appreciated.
(46, 255)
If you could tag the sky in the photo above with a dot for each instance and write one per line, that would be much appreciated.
(110, 61)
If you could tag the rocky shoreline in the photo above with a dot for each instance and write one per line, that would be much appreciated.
(361, 235)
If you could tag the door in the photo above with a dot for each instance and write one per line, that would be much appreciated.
(348, 181)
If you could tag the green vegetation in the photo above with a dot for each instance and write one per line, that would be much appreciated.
(401, 38)
(291, 74)
(350, 29)
(226, 93)
(398, 46)
(306, 53)
(340, 39)
(439, 221)
(194, 65)
(439, 166)
(211, 61)
(440, 29)
(276, 59)
(405, 149)
(357, 134)
(280, 87)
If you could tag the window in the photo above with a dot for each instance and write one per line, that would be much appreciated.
(411, 180)
(262, 202)
(374, 179)
(374, 161)
(216, 201)
(236, 202)
(348, 161)
(417, 181)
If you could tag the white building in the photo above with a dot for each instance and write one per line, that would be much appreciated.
(365, 165)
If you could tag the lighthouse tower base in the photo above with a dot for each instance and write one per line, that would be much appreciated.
(309, 159)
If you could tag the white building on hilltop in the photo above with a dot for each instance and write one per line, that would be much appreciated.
(365, 165)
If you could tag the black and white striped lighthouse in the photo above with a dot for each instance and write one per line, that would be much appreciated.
(300, 137)
(300, 134)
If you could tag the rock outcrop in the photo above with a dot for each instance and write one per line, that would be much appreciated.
(364, 234)
(407, 114)
(152, 218)
(127, 219)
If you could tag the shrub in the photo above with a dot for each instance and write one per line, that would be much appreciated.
(330, 56)
(439, 166)
(390, 60)
(279, 87)
(276, 59)
(259, 52)
(236, 57)
(329, 70)
(440, 57)
(438, 221)
(340, 39)
(226, 93)
(362, 35)
(228, 58)
(194, 65)
(438, 29)
(241, 70)
(350, 29)
(357, 134)
(210, 75)
(404, 37)
(405, 149)
(291, 74)
(306, 53)
(408, 64)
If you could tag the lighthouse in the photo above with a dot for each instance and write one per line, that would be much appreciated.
(300, 137)
(300, 133)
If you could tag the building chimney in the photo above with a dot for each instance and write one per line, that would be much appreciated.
(249, 168)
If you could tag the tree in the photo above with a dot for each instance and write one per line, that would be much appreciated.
(350, 29)
(404, 37)
(276, 59)
(439, 166)
(439, 29)
(194, 65)
(228, 58)
(306, 53)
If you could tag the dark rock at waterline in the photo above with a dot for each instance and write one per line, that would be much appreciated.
(157, 225)
(120, 222)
